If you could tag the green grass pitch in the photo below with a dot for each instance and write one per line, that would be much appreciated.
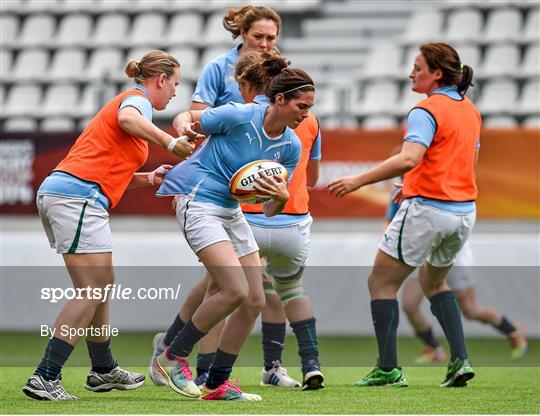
(500, 386)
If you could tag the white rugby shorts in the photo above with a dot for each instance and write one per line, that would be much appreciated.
(74, 226)
(461, 275)
(204, 224)
(420, 233)
(285, 248)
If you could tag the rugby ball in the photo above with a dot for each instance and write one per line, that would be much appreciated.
(242, 183)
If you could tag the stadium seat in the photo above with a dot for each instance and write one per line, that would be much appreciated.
(60, 100)
(37, 30)
(9, 28)
(499, 4)
(219, 6)
(500, 60)
(134, 53)
(295, 6)
(185, 29)
(41, 6)
(499, 122)
(531, 29)
(147, 30)
(531, 62)
(211, 53)
(31, 64)
(144, 6)
(67, 64)
(80, 6)
(23, 100)
(378, 98)
(325, 102)
(464, 26)
(532, 122)
(529, 102)
(177, 105)
(332, 61)
(322, 45)
(184, 5)
(6, 62)
(108, 6)
(469, 55)
(385, 26)
(111, 30)
(354, 7)
(185, 55)
(105, 62)
(502, 25)
(58, 124)
(383, 61)
(12, 6)
(498, 96)
(379, 123)
(189, 63)
(214, 32)
(20, 124)
(93, 97)
(408, 100)
(423, 26)
(74, 30)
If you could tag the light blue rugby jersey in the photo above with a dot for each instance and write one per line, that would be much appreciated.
(237, 138)
(421, 128)
(66, 185)
(283, 220)
(142, 104)
(216, 85)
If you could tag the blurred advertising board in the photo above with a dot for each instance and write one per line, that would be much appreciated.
(508, 173)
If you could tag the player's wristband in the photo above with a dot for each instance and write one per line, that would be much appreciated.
(175, 140)
(172, 144)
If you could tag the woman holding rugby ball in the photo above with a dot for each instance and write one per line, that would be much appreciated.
(215, 228)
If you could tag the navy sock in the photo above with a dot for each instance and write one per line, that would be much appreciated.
(56, 355)
(308, 349)
(428, 338)
(385, 314)
(173, 330)
(273, 341)
(204, 361)
(505, 326)
(185, 340)
(101, 356)
(221, 369)
(446, 309)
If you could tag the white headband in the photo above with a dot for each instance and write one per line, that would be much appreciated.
(297, 88)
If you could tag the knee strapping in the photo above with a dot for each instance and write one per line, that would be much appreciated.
(289, 288)
(268, 286)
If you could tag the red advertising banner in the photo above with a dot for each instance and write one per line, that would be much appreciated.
(508, 173)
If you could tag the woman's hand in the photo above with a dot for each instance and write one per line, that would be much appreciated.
(345, 185)
(273, 187)
(156, 176)
(174, 202)
(398, 196)
(181, 146)
(191, 130)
